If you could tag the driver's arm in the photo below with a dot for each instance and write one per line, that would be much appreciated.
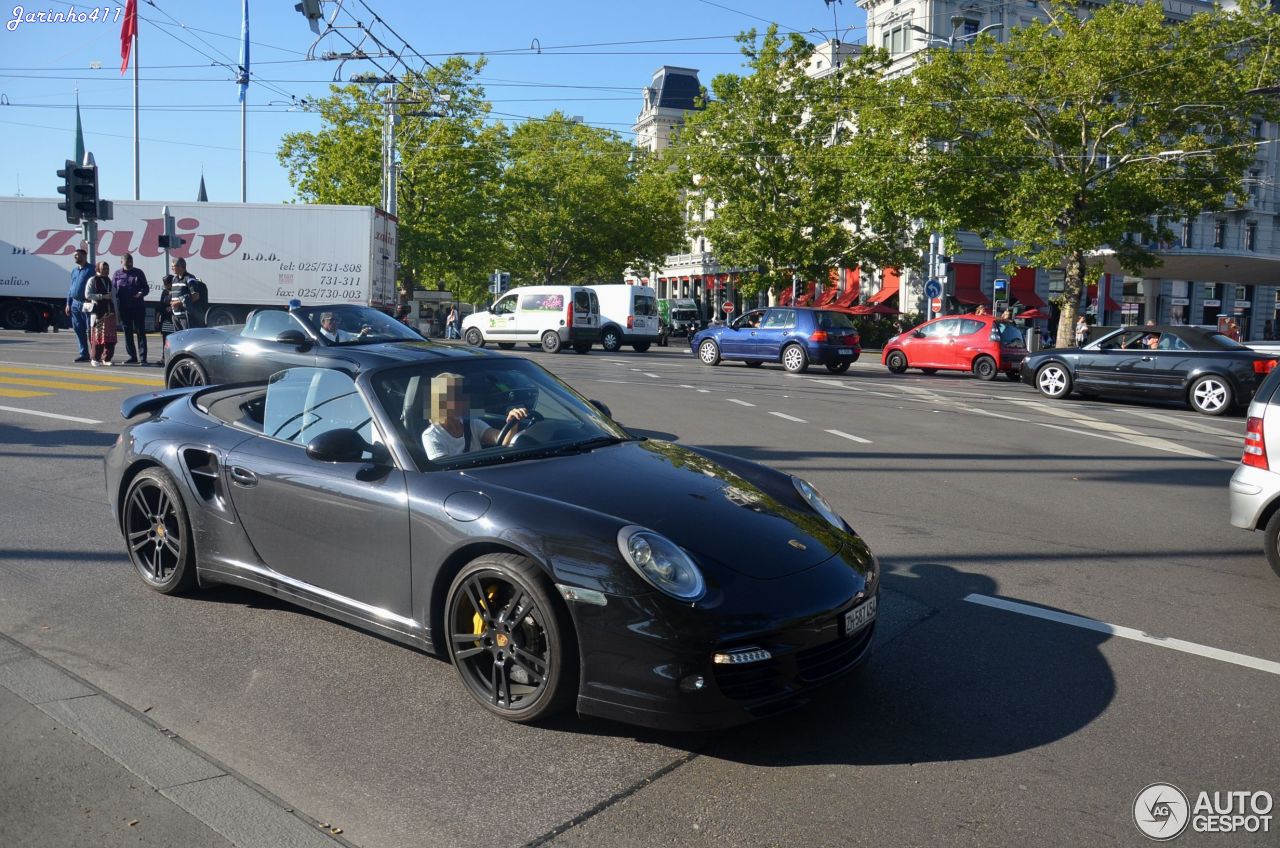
(491, 435)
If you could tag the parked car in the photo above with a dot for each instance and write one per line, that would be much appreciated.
(981, 344)
(1199, 367)
(272, 339)
(549, 316)
(628, 316)
(1255, 485)
(796, 336)
(547, 564)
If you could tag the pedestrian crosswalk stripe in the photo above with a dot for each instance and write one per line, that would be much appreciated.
(97, 375)
(6, 380)
(22, 393)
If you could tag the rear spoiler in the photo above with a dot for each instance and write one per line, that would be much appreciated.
(154, 401)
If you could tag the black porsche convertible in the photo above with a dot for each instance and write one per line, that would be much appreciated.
(552, 557)
(275, 338)
(1200, 367)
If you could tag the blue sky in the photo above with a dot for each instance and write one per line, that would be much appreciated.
(594, 58)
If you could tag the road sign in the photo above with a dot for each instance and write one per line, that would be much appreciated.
(936, 304)
(728, 306)
(933, 288)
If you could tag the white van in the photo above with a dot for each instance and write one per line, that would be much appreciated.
(628, 315)
(550, 316)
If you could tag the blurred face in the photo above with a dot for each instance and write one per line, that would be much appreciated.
(127, 261)
(448, 397)
(104, 268)
(179, 267)
(80, 257)
(329, 324)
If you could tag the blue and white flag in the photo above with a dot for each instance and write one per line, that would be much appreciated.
(244, 53)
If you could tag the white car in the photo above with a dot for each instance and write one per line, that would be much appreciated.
(628, 316)
(1255, 485)
(548, 316)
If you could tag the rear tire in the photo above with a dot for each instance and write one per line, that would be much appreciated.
(18, 316)
(222, 316)
(158, 533)
(1211, 395)
(794, 359)
(896, 362)
(641, 347)
(1054, 381)
(473, 337)
(984, 368)
(186, 371)
(611, 339)
(551, 342)
(1271, 541)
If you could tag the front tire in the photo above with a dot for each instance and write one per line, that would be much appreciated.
(709, 353)
(510, 640)
(1211, 395)
(896, 362)
(794, 359)
(1054, 381)
(158, 534)
(984, 368)
(837, 367)
(1271, 541)
(473, 337)
(187, 371)
(551, 342)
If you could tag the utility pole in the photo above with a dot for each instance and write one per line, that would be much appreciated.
(390, 168)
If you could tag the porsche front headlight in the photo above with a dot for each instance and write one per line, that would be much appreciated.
(661, 563)
(819, 504)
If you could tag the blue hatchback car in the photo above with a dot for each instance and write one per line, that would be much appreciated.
(796, 336)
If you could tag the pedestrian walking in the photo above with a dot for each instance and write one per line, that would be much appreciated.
(131, 290)
(100, 296)
(164, 313)
(80, 275)
(188, 297)
(1082, 331)
(451, 329)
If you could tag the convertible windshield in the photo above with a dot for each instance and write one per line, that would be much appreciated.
(457, 414)
(354, 324)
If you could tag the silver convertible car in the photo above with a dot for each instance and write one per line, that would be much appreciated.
(471, 504)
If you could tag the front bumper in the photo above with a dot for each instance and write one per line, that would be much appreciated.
(633, 668)
(1252, 490)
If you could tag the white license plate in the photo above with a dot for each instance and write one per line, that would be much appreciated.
(859, 617)
(845, 351)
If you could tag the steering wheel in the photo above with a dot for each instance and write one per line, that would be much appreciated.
(518, 426)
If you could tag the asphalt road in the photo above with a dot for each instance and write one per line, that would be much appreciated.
(979, 721)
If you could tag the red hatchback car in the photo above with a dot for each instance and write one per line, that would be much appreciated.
(982, 344)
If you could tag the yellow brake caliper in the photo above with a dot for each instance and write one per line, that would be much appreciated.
(477, 621)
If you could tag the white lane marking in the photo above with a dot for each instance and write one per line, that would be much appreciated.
(686, 386)
(789, 417)
(1145, 441)
(849, 436)
(1128, 633)
(1088, 421)
(820, 381)
(49, 415)
(991, 414)
(618, 361)
(739, 402)
(703, 391)
(654, 376)
(1194, 426)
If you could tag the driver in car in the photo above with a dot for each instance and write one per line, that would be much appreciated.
(451, 430)
(330, 330)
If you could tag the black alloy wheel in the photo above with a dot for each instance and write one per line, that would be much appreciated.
(186, 372)
(896, 362)
(510, 640)
(837, 367)
(158, 534)
(984, 368)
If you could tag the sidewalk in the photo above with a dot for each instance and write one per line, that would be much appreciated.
(80, 769)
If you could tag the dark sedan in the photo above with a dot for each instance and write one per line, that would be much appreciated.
(796, 336)
(1200, 367)
(472, 505)
(272, 339)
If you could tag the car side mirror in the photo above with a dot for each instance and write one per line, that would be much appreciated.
(600, 405)
(345, 445)
(995, 335)
(295, 338)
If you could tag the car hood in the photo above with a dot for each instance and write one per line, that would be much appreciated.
(699, 504)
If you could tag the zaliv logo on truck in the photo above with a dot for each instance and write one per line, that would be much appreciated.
(209, 246)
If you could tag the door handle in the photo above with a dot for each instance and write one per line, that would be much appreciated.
(1148, 359)
(243, 476)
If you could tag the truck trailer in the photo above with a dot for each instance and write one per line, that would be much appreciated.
(248, 254)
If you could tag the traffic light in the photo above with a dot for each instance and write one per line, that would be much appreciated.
(310, 10)
(80, 186)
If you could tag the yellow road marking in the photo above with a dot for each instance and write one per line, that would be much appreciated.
(22, 393)
(55, 384)
(97, 376)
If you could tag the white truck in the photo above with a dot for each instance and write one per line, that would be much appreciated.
(249, 255)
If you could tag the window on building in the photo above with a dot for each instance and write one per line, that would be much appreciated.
(885, 40)
(1219, 234)
(970, 27)
(1254, 184)
(1258, 128)
(1251, 235)
(1187, 232)
(899, 41)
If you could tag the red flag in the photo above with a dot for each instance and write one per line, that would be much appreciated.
(128, 30)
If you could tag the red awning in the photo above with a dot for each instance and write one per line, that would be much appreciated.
(969, 283)
(890, 278)
(785, 298)
(1023, 287)
(852, 287)
(878, 309)
(1092, 293)
(1035, 314)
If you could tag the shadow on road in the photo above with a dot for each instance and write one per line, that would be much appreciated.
(13, 435)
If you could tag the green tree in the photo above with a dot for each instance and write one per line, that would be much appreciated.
(450, 159)
(1080, 136)
(579, 204)
(768, 161)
